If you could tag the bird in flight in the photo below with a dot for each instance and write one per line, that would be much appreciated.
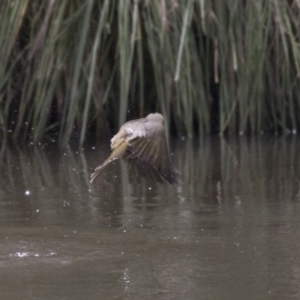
(142, 143)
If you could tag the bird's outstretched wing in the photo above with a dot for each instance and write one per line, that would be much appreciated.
(150, 156)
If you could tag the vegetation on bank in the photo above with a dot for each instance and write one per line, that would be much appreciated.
(77, 68)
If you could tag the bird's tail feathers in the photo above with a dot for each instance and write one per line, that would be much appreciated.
(116, 154)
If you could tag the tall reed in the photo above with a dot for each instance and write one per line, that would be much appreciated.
(73, 69)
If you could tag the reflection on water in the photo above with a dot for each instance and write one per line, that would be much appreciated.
(230, 231)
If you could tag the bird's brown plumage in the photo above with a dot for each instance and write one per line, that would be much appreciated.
(143, 144)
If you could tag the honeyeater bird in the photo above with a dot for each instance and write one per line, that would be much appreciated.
(143, 144)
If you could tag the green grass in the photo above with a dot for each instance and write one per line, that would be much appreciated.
(74, 69)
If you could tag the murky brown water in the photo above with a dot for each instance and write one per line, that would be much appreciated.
(230, 231)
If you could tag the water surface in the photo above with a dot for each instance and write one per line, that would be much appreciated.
(230, 231)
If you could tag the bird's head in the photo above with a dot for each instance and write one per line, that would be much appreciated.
(156, 117)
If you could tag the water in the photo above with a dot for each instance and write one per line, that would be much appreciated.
(230, 231)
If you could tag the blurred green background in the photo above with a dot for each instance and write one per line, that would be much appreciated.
(79, 69)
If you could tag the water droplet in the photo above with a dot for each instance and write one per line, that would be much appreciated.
(66, 203)
(21, 254)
